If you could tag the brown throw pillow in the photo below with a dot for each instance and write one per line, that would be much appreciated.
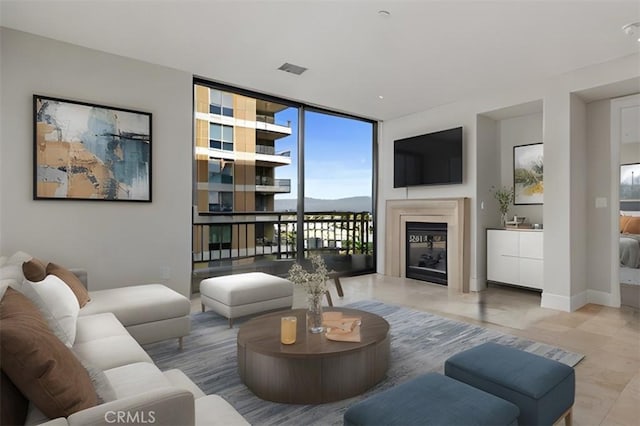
(38, 363)
(623, 222)
(632, 226)
(71, 280)
(13, 406)
(34, 270)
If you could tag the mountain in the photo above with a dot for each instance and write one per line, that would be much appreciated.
(351, 204)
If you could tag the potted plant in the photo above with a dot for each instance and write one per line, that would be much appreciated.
(504, 195)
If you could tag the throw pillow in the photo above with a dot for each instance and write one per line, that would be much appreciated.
(34, 270)
(632, 226)
(623, 222)
(57, 304)
(13, 404)
(71, 280)
(12, 275)
(11, 270)
(38, 363)
(18, 258)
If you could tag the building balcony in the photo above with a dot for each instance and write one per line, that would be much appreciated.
(267, 156)
(271, 185)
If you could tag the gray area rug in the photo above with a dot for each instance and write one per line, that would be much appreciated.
(420, 343)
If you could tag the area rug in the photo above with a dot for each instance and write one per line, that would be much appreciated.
(420, 343)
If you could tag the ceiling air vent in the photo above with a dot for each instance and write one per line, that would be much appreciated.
(293, 69)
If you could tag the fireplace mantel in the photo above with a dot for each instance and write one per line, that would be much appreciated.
(452, 211)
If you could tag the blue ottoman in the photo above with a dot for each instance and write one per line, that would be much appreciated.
(432, 399)
(543, 389)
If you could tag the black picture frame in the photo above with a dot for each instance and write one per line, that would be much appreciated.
(91, 152)
(528, 174)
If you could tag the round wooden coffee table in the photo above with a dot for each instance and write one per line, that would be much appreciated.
(314, 370)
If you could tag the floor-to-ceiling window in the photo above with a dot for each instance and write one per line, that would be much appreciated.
(338, 188)
(266, 193)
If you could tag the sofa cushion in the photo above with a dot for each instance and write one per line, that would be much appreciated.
(34, 269)
(103, 342)
(71, 280)
(136, 378)
(58, 306)
(38, 363)
(138, 304)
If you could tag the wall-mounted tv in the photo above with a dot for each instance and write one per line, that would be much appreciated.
(429, 159)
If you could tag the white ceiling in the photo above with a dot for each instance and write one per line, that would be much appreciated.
(425, 54)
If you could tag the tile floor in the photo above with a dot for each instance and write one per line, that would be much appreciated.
(607, 380)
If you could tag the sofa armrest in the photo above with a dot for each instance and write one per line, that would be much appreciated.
(82, 276)
(59, 421)
(164, 406)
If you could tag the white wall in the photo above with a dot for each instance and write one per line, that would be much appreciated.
(630, 153)
(118, 243)
(598, 182)
(488, 215)
(562, 274)
(578, 203)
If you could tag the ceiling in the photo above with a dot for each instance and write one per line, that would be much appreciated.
(426, 53)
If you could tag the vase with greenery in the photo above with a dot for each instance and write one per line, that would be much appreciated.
(504, 195)
(315, 285)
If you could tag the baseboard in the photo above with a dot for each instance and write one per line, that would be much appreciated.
(555, 301)
(601, 298)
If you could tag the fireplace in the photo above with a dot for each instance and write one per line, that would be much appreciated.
(452, 211)
(426, 251)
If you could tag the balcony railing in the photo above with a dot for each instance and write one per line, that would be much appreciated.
(269, 150)
(279, 185)
(273, 235)
(271, 120)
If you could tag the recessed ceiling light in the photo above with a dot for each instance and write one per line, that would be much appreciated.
(384, 13)
(380, 97)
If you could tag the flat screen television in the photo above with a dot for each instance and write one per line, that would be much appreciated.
(429, 159)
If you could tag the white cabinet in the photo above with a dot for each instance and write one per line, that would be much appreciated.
(515, 257)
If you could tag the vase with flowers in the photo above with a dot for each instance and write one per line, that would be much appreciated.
(315, 285)
(504, 195)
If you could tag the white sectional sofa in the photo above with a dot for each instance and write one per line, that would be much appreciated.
(129, 387)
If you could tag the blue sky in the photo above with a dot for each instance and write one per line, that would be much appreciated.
(338, 154)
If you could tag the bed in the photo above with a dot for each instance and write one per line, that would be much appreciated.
(630, 258)
(630, 250)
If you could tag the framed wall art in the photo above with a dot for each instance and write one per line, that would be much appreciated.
(86, 151)
(630, 184)
(528, 183)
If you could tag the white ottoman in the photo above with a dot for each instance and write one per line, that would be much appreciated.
(234, 296)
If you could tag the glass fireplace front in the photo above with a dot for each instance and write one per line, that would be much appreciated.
(426, 257)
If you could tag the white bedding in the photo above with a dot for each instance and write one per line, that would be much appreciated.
(630, 250)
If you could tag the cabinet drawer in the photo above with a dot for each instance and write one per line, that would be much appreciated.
(503, 242)
(531, 245)
(503, 269)
(531, 273)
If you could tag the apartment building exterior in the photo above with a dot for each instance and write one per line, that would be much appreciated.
(236, 157)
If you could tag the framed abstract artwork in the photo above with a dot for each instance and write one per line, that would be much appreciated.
(528, 183)
(86, 151)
